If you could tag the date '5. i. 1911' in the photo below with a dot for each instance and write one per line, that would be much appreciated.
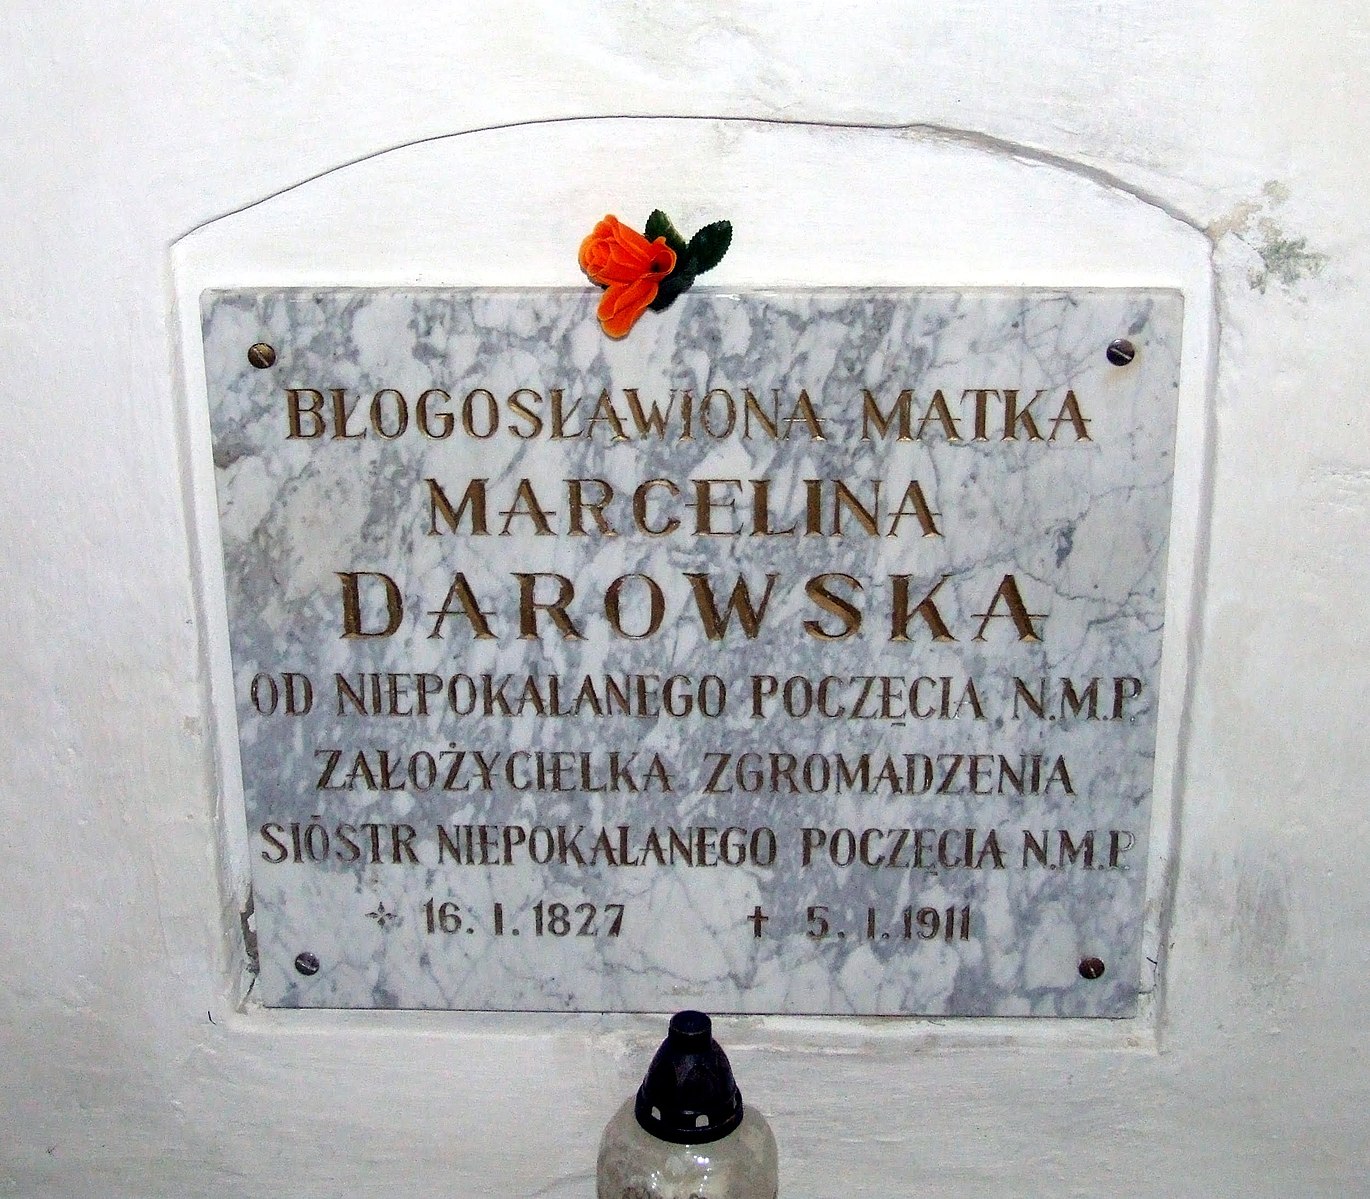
(911, 924)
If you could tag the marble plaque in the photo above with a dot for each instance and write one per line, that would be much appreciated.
(797, 653)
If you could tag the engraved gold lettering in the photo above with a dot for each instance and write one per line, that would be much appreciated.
(605, 413)
(341, 414)
(671, 524)
(559, 415)
(437, 425)
(526, 505)
(813, 507)
(656, 606)
(1089, 701)
(439, 505)
(1035, 703)
(296, 412)
(470, 412)
(468, 608)
(332, 757)
(726, 421)
(652, 420)
(915, 504)
(529, 606)
(351, 604)
(1125, 689)
(844, 499)
(1015, 417)
(705, 502)
(268, 832)
(981, 417)
(819, 591)
(937, 410)
(761, 513)
(872, 417)
(399, 422)
(749, 615)
(751, 408)
(719, 764)
(579, 505)
(925, 608)
(1070, 413)
(531, 421)
(1017, 612)
(803, 414)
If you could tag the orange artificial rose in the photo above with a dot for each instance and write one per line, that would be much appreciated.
(629, 267)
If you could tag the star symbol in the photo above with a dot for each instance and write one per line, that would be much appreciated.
(383, 915)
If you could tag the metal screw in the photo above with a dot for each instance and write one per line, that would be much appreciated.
(262, 355)
(1121, 352)
(1091, 968)
(307, 964)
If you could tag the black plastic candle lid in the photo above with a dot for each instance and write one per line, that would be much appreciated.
(689, 1096)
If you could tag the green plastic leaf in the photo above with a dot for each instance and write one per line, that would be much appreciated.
(707, 247)
(671, 287)
(659, 225)
(701, 253)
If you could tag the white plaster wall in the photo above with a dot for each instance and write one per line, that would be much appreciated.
(128, 1068)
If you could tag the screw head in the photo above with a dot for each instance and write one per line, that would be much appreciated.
(262, 355)
(1091, 968)
(1121, 352)
(306, 964)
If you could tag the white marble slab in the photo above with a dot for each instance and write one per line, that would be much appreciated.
(365, 829)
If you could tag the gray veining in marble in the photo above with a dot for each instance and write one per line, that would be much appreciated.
(363, 826)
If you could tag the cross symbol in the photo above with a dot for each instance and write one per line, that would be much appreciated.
(758, 918)
(383, 915)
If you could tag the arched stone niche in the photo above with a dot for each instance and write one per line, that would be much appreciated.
(812, 206)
